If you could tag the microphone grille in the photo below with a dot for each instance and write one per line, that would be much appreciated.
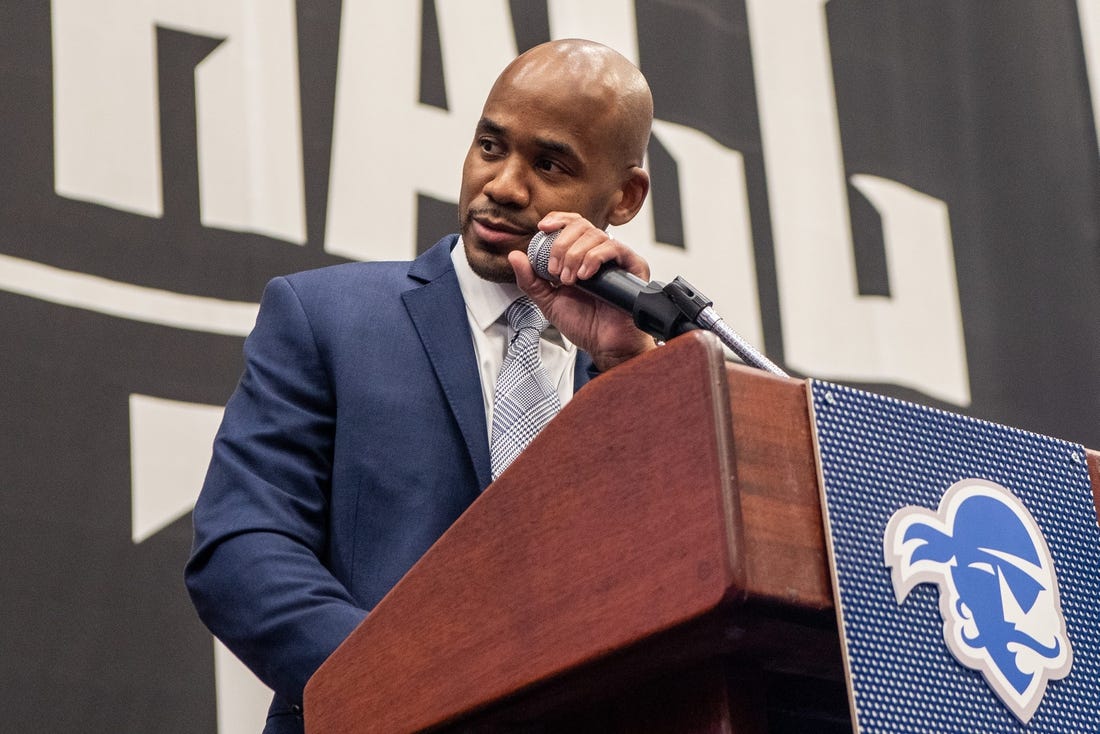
(538, 252)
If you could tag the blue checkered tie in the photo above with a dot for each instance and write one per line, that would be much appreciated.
(525, 399)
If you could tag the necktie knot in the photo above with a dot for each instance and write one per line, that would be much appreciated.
(523, 314)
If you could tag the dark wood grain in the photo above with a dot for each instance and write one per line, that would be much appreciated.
(777, 484)
(618, 523)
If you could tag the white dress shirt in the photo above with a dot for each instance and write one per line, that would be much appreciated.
(486, 303)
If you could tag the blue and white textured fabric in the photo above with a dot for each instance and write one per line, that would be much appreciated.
(967, 568)
(525, 399)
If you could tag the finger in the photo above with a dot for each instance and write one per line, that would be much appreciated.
(592, 254)
(609, 250)
(557, 220)
(580, 248)
(627, 259)
(527, 280)
(581, 239)
(569, 227)
(564, 239)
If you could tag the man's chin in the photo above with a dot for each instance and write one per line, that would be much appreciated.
(494, 268)
(494, 272)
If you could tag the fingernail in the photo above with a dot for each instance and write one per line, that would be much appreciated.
(564, 277)
(552, 264)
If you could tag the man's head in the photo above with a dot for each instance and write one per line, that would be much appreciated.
(564, 128)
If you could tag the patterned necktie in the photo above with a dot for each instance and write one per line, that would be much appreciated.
(525, 399)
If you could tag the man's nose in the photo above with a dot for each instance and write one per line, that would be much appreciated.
(509, 185)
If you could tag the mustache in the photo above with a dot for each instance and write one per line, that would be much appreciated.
(502, 215)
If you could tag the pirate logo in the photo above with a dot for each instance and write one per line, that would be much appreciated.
(998, 590)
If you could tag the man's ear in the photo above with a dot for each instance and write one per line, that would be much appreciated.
(631, 197)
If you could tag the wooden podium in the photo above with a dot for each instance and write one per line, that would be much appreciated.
(654, 562)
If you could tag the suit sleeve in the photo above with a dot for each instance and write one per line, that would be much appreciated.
(257, 573)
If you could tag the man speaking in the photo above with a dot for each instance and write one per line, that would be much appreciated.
(379, 399)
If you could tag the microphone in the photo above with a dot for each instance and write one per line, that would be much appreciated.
(662, 311)
(611, 283)
(653, 310)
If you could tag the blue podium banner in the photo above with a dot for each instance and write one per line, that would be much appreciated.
(966, 566)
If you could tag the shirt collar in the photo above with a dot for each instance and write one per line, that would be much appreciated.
(487, 301)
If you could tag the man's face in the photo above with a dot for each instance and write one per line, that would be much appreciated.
(539, 147)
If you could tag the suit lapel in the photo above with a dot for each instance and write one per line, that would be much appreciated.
(584, 371)
(439, 315)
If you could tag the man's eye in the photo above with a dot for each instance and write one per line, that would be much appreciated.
(489, 146)
(547, 165)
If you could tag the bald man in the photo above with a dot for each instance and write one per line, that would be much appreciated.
(360, 428)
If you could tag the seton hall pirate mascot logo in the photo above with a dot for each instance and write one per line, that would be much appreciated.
(998, 591)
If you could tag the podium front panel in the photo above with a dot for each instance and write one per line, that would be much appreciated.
(966, 558)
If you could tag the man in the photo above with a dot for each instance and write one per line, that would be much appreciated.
(360, 429)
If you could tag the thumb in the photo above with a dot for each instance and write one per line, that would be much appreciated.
(540, 291)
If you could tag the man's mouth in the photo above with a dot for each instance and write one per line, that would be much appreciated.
(493, 231)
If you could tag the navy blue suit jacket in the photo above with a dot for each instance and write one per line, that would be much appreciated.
(356, 436)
